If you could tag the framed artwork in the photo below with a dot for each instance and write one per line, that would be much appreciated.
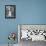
(33, 32)
(10, 11)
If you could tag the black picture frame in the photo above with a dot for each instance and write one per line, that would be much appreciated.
(10, 11)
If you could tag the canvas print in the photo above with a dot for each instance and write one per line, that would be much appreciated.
(28, 34)
(10, 11)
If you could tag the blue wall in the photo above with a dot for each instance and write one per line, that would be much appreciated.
(31, 11)
(6, 25)
(27, 12)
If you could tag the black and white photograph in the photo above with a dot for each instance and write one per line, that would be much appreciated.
(31, 35)
(10, 11)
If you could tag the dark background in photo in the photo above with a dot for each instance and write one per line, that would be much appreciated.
(10, 11)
